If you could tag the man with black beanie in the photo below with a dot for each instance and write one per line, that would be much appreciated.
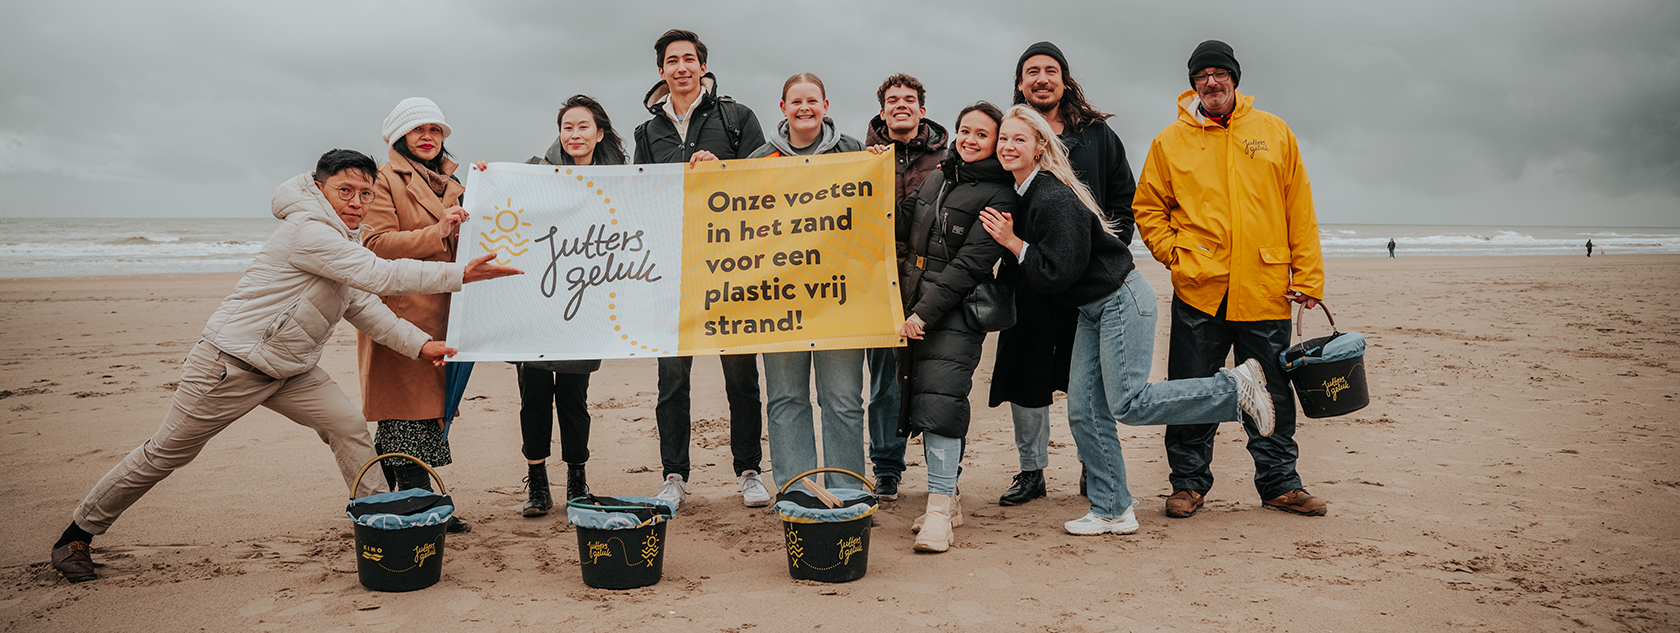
(1033, 357)
(1225, 203)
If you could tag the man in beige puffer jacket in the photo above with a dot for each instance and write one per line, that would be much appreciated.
(262, 345)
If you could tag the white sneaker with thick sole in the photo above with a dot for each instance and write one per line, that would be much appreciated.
(1252, 396)
(674, 491)
(752, 490)
(1091, 524)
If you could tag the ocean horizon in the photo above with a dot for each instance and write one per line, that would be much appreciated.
(98, 247)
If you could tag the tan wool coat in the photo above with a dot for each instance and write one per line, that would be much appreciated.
(402, 223)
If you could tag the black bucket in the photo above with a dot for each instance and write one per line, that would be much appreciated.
(826, 552)
(1326, 388)
(399, 560)
(620, 559)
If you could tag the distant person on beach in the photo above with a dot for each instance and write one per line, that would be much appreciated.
(261, 345)
(1034, 357)
(1225, 203)
(1391, 248)
(1589, 248)
(1071, 252)
(561, 387)
(691, 123)
(415, 214)
(919, 145)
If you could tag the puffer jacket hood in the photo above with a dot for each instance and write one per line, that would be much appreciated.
(917, 158)
(310, 274)
(1229, 211)
(659, 92)
(987, 169)
(931, 138)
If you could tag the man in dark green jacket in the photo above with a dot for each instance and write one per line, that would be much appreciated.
(691, 123)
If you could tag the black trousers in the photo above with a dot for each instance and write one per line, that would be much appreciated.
(1200, 343)
(544, 393)
(746, 412)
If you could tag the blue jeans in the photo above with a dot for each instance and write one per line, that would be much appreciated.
(793, 439)
(1112, 348)
(886, 448)
(1200, 343)
(944, 461)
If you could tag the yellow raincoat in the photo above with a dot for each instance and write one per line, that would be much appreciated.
(1231, 209)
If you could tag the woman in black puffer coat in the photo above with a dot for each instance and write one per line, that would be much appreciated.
(947, 253)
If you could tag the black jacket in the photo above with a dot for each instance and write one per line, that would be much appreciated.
(916, 159)
(1069, 256)
(947, 253)
(1099, 159)
(718, 125)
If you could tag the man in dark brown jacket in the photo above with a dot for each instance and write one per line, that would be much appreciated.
(919, 145)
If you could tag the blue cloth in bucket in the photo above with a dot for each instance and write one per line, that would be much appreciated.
(1339, 347)
(855, 503)
(412, 507)
(610, 520)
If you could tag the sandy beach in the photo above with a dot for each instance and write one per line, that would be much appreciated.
(1515, 471)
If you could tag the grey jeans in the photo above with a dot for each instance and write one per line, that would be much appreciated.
(215, 390)
(1032, 435)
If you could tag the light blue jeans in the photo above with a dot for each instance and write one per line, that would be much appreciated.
(886, 448)
(1113, 346)
(944, 462)
(793, 438)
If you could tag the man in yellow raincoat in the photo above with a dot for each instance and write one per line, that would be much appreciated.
(1224, 202)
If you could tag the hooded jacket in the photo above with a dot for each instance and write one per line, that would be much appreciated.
(1230, 210)
(948, 253)
(402, 223)
(309, 274)
(716, 124)
(830, 142)
(917, 158)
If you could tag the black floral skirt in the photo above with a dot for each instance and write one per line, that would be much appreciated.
(420, 438)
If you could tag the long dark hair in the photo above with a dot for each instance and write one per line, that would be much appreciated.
(435, 164)
(1074, 110)
(610, 151)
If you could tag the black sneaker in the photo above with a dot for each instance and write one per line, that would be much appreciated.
(1029, 485)
(886, 488)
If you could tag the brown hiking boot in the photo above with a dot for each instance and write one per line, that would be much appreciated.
(1184, 503)
(74, 561)
(1299, 502)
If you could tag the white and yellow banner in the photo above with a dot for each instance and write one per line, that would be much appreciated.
(774, 254)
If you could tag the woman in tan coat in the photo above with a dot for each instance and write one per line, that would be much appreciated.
(414, 215)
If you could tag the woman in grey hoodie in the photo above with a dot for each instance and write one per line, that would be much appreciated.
(807, 131)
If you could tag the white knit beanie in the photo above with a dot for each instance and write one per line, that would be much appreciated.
(411, 113)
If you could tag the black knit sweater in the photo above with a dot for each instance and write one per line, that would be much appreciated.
(1068, 254)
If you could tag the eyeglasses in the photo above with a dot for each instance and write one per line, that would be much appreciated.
(346, 193)
(1218, 75)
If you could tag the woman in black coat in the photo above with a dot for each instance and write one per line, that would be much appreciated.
(947, 254)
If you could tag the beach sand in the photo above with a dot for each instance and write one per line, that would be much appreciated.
(1516, 470)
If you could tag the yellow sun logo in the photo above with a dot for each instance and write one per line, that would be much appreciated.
(507, 222)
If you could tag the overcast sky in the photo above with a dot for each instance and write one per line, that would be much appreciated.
(1489, 113)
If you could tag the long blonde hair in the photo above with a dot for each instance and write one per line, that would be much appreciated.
(1054, 159)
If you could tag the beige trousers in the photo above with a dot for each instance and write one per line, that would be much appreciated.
(215, 390)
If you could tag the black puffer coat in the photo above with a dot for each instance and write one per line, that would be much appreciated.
(719, 125)
(947, 253)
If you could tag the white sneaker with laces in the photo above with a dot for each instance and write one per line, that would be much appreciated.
(1252, 396)
(1091, 524)
(752, 490)
(673, 491)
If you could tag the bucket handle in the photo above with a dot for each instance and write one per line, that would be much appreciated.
(825, 470)
(365, 467)
(1301, 313)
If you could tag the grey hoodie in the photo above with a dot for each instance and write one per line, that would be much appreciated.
(311, 273)
(830, 141)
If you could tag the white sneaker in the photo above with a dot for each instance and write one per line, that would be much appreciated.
(752, 490)
(673, 491)
(1252, 396)
(1091, 524)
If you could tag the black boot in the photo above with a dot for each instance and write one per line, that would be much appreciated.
(1029, 485)
(886, 487)
(576, 484)
(536, 483)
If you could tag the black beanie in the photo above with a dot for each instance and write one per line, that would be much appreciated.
(1215, 54)
(1041, 48)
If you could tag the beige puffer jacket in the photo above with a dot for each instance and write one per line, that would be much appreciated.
(311, 273)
